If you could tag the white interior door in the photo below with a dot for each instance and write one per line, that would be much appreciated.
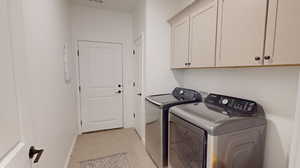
(14, 146)
(138, 64)
(101, 85)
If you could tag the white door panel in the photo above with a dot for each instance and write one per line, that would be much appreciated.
(286, 44)
(180, 43)
(13, 152)
(242, 30)
(100, 77)
(9, 120)
(203, 25)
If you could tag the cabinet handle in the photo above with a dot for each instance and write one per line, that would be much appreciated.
(257, 58)
(267, 57)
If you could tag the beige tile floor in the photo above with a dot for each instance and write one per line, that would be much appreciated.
(96, 145)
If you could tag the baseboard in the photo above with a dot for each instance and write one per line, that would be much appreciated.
(141, 138)
(70, 152)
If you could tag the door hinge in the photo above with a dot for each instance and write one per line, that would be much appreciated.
(133, 115)
(133, 52)
(79, 88)
(81, 123)
(78, 53)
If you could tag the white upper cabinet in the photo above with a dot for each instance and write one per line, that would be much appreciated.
(235, 33)
(193, 36)
(241, 32)
(180, 43)
(203, 36)
(283, 33)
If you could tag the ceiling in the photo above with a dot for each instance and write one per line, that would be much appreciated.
(116, 5)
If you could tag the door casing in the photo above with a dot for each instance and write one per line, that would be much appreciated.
(141, 39)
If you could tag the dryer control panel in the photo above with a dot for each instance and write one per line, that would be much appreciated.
(231, 105)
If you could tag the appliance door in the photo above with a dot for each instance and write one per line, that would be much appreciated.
(187, 144)
(154, 133)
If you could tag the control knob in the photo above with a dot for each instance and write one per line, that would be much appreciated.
(225, 101)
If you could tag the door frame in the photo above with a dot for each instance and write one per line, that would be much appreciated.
(295, 143)
(77, 71)
(141, 37)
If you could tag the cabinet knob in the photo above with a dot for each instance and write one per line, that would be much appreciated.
(257, 58)
(267, 57)
(186, 64)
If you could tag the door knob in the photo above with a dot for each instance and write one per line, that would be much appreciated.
(119, 91)
(33, 152)
(257, 58)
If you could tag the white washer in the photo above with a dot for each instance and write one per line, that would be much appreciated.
(222, 132)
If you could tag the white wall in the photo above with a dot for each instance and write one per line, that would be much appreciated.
(51, 100)
(274, 88)
(150, 18)
(295, 147)
(94, 24)
(158, 76)
(139, 19)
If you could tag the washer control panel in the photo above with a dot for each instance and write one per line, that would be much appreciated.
(186, 94)
(231, 105)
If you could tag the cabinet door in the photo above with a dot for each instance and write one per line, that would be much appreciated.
(203, 26)
(180, 43)
(241, 32)
(284, 49)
